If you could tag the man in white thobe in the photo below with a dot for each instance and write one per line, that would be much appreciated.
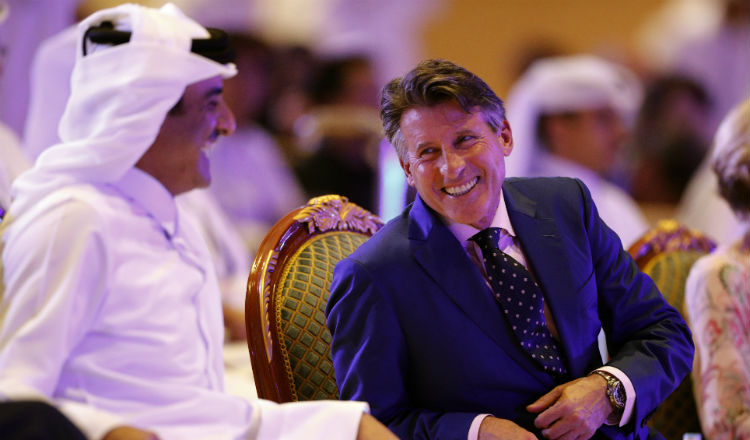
(109, 305)
(570, 116)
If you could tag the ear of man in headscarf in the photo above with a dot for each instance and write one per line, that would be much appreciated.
(120, 96)
(564, 84)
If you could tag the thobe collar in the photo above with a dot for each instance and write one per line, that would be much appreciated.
(152, 196)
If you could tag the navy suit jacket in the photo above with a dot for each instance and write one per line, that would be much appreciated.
(418, 334)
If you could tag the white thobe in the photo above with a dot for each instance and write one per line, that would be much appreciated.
(618, 210)
(111, 310)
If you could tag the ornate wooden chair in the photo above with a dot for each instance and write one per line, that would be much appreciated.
(287, 292)
(666, 253)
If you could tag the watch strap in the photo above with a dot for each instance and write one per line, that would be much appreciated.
(615, 390)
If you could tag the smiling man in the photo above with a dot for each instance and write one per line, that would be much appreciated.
(475, 313)
(109, 304)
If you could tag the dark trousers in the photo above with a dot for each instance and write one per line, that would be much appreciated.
(32, 420)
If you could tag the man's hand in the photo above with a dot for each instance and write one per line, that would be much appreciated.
(574, 410)
(129, 433)
(371, 429)
(493, 428)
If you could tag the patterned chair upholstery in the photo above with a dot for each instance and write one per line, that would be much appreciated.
(666, 253)
(287, 292)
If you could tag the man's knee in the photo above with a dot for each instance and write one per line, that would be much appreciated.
(35, 420)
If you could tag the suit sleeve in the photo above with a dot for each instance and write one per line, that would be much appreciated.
(372, 361)
(647, 338)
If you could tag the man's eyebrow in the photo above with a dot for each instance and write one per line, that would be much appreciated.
(213, 92)
(464, 132)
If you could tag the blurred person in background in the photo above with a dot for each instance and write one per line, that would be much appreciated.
(570, 118)
(13, 161)
(292, 71)
(720, 58)
(670, 139)
(253, 182)
(705, 40)
(29, 22)
(341, 132)
(717, 296)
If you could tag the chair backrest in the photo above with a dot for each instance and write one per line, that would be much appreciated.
(666, 253)
(287, 293)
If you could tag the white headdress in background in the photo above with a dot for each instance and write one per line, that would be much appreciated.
(562, 84)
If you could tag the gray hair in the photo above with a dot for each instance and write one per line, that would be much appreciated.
(730, 159)
(433, 82)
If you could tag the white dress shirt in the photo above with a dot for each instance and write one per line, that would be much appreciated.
(111, 310)
(462, 233)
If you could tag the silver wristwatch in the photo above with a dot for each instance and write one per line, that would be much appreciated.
(615, 390)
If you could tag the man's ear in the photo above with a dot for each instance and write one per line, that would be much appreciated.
(505, 137)
(406, 166)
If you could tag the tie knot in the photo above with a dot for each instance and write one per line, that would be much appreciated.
(487, 238)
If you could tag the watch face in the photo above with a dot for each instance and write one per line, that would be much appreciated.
(619, 394)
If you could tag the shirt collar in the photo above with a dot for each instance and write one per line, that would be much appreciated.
(152, 196)
(501, 220)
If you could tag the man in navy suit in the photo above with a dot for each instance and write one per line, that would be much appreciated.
(420, 332)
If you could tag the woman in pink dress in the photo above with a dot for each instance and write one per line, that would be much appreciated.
(717, 296)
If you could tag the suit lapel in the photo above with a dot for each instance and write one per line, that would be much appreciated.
(546, 253)
(436, 249)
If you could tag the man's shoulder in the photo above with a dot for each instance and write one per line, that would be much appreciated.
(544, 185)
(390, 242)
(82, 203)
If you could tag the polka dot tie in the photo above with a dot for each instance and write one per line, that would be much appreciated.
(521, 299)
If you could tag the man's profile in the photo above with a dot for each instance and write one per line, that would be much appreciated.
(109, 304)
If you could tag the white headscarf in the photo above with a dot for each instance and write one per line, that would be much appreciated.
(562, 84)
(120, 96)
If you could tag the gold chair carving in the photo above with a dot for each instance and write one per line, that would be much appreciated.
(287, 292)
(666, 253)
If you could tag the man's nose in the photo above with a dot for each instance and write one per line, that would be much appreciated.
(453, 164)
(226, 124)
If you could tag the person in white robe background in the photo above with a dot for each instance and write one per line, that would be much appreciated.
(570, 116)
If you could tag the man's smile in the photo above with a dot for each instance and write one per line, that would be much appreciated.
(462, 189)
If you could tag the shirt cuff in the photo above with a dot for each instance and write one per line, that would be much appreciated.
(474, 428)
(627, 412)
(308, 419)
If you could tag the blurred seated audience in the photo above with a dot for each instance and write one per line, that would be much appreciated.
(252, 181)
(570, 118)
(341, 132)
(670, 138)
(717, 296)
(719, 59)
(12, 159)
(292, 71)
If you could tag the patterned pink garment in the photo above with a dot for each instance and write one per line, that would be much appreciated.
(717, 303)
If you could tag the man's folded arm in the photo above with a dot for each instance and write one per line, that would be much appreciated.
(647, 339)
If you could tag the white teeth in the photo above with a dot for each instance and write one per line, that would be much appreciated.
(208, 148)
(463, 189)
